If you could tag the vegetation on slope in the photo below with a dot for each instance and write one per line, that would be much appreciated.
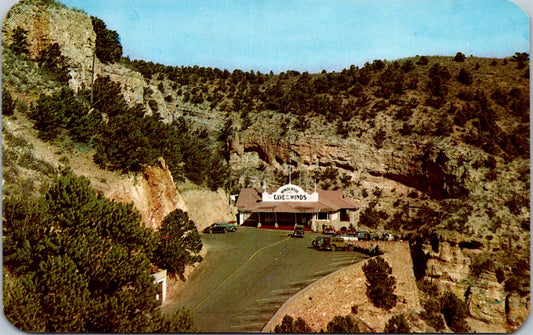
(77, 262)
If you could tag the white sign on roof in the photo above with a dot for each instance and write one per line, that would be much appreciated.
(290, 193)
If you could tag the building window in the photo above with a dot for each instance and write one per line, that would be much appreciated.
(344, 215)
(322, 216)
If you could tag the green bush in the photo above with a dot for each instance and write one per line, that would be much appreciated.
(380, 283)
(289, 325)
(8, 105)
(342, 324)
(455, 312)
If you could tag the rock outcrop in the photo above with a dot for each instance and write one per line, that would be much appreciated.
(490, 307)
(153, 193)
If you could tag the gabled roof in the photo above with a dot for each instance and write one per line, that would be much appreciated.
(250, 200)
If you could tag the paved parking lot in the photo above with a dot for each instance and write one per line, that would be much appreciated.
(247, 275)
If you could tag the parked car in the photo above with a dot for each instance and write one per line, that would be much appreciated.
(217, 227)
(336, 243)
(230, 226)
(328, 230)
(317, 241)
(298, 231)
(363, 236)
(349, 238)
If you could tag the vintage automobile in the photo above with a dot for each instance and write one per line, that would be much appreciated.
(298, 231)
(317, 241)
(329, 230)
(336, 243)
(230, 226)
(217, 227)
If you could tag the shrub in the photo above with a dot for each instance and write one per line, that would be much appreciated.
(423, 61)
(397, 324)
(459, 57)
(342, 324)
(380, 283)
(455, 312)
(8, 105)
(465, 77)
(432, 315)
(288, 325)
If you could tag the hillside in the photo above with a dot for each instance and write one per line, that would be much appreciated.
(436, 148)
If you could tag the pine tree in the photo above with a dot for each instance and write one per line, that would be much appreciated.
(77, 262)
(179, 243)
(19, 46)
(108, 47)
(380, 283)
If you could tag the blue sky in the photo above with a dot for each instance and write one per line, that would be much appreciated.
(309, 35)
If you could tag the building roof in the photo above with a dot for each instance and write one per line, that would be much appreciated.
(250, 199)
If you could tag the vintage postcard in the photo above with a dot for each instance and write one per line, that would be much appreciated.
(231, 166)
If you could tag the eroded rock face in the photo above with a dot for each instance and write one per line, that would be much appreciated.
(486, 299)
(153, 193)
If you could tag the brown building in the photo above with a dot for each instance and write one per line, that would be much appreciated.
(290, 204)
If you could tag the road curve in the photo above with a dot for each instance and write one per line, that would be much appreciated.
(247, 275)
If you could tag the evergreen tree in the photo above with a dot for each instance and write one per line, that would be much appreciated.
(53, 112)
(108, 47)
(77, 262)
(380, 283)
(51, 60)
(19, 46)
(179, 243)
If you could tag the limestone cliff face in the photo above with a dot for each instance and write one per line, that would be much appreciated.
(46, 25)
(73, 32)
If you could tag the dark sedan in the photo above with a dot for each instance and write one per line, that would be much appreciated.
(215, 228)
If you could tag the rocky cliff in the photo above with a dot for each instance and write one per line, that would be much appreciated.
(153, 192)
(491, 307)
